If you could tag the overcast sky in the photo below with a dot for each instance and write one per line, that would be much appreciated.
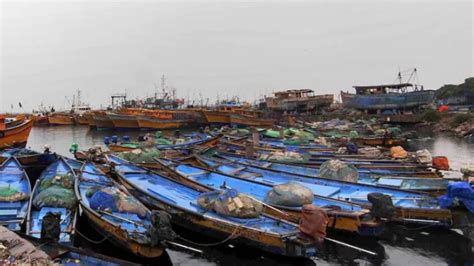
(51, 49)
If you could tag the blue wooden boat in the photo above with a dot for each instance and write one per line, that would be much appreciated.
(160, 192)
(410, 206)
(343, 216)
(128, 229)
(368, 177)
(68, 214)
(307, 169)
(190, 140)
(33, 162)
(15, 191)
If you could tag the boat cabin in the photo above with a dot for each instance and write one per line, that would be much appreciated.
(289, 94)
(385, 89)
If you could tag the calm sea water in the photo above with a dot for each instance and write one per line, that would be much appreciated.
(398, 246)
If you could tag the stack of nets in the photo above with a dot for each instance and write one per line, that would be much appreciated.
(56, 191)
(230, 202)
(112, 199)
(286, 156)
(10, 194)
(290, 194)
(338, 170)
(140, 156)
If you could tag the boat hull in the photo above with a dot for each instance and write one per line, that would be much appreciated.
(217, 117)
(251, 121)
(215, 229)
(147, 122)
(16, 136)
(390, 101)
(60, 120)
(119, 237)
(124, 121)
(102, 121)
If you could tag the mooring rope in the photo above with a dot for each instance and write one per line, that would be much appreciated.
(230, 237)
(90, 240)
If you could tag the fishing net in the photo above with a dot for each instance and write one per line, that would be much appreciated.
(56, 196)
(286, 156)
(353, 134)
(65, 181)
(163, 141)
(397, 152)
(338, 170)
(140, 156)
(160, 228)
(230, 202)
(370, 152)
(379, 132)
(8, 194)
(290, 194)
(382, 205)
(394, 131)
(424, 156)
(271, 133)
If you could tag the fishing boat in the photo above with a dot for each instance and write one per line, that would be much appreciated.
(53, 193)
(389, 98)
(81, 119)
(152, 123)
(298, 100)
(304, 158)
(101, 120)
(314, 170)
(123, 121)
(411, 206)
(221, 114)
(15, 191)
(14, 135)
(160, 192)
(431, 185)
(40, 120)
(117, 215)
(343, 216)
(60, 119)
(187, 141)
(250, 120)
(33, 162)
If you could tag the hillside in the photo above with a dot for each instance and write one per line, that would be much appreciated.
(464, 90)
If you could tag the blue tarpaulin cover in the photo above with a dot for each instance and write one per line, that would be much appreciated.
(102, 201)
(458, 192)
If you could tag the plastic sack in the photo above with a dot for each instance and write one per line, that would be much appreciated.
(440, 163)
(458, 192)
(230, 202)
(397, 152)
(57, 197)
(290, 194)
(313, 222)
(424, 156)
(338, 170)
(467, 170)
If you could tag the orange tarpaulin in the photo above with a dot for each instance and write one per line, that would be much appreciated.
(443, 108)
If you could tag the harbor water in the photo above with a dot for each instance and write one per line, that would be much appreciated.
(397, 246)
